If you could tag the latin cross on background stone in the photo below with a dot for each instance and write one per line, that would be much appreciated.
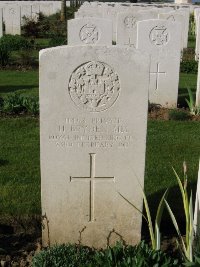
(92, 179)
(157, 74)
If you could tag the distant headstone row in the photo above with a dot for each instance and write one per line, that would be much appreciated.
(161, 32)
(13, 12)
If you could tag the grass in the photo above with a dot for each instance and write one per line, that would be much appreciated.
(19, 166)
(25, 82)
(186, 81)
(168, 144)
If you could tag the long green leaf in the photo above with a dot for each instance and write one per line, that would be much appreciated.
(176, 226)
(184, 195)
(191, 232)
(133, 206)
(152, 236)
(158, 219)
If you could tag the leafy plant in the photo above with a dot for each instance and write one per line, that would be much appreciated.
(178, 115)
(16, 104)
(194, 110)
(117, 256)
(189, 66)
(186, 244)
(9, 43)
(155, 234)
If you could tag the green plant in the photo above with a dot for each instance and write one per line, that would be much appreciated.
(117, 256)
(186, 244)
(189, 66)
(192, 25)
(31, 105)
(13, 103)
(155, 234)
(16, 104)
(56, 41)
(178, 115)
(194, 110)
(9, 43)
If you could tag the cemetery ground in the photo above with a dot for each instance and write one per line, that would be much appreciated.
(171, 139)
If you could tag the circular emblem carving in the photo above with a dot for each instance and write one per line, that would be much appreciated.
(89, 34)
(159, 36)
(129, 21)
(94, 86)
(12, 11)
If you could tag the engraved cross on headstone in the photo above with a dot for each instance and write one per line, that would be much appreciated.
(92, 179)
(157, 73)
(129, 42)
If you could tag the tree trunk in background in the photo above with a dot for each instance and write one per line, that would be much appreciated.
(63, 10)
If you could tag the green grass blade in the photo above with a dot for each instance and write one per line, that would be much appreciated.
(176, 227)
(134, 206)
(184, 195)
(191, 230)
(150, 225)
(158, 219)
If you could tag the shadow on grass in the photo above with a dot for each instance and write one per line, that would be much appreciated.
(175, 201)
(3, 162)
(14, 88)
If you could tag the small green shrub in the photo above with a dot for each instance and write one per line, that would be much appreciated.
(178, 115)
(17, 104)
(9, 43)
(117, 256)
(189, 66)
(57, 40)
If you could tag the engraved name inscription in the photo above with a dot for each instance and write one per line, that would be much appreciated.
(106, 133)
(94, 86)
(159, 36)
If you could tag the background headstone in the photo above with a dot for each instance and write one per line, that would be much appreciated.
(89, 31)
(1, 22)
(93, 114)
(161, 39)
(13, 19)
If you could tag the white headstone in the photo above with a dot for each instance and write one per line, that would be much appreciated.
(161, 39)
(12, 19)
(35, 11)
(1, 22)
(89, 31)
(175, 17)
(92, 147)
(197, 46)
(198, 87)
(46, 9)
(26, 12)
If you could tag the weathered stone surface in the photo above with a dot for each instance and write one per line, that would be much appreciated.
(89, 31)
(93, 115)
(198, 87)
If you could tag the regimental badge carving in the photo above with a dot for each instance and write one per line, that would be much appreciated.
(89, 34)
(159, 36)
(130, 21)
(12, 11)
(94, 86)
